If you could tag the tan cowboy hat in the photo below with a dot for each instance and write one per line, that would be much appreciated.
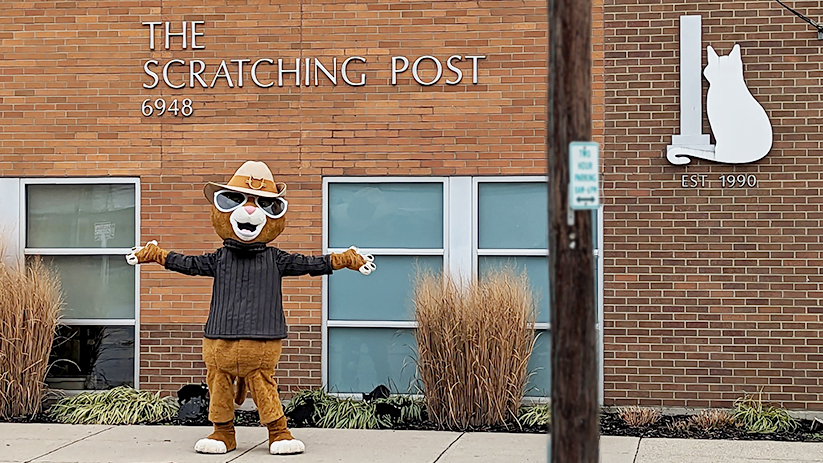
(253, 178)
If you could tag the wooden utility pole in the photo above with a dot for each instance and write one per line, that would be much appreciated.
(575, 411)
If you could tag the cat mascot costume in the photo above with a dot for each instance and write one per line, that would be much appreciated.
(246, 324)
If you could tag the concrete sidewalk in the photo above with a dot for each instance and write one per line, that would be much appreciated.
(163, 444)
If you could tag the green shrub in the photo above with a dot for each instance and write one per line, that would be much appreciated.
(121, 405)
(353, 414)
(755, 417)
(329, 411)
(536, 415)
(411, 409)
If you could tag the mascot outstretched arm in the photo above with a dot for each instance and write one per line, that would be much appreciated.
(246, 323)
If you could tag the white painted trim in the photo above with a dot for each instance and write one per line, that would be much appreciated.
(22, 221)
(475, 227)
(98, 321)
(371, 324)
(600, 305)
(512, 179)
(324, 294)
(513, 252)
(92, 251)
(446, 221)
(137, 235)
(396, 324)
(327, 180)
(79, 180)
(10, 220)
(395, 251)
(459, 260)
(79, 251)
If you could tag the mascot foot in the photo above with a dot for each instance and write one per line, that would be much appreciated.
(286, 447)
(220, 441)
(281, 442)
(210, 446)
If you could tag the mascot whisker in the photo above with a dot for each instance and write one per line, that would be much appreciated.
(246, 325)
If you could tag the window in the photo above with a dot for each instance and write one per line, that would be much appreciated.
(466, 225)
(512, 231)
(83, 228)
(368, 327)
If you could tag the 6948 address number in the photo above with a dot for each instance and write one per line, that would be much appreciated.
(159, 107)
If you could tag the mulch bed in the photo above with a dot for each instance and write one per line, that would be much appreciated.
(610, 425)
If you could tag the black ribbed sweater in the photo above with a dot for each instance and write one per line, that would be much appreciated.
(246, 301)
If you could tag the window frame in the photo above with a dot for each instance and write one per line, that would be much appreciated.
(477, 252)
(459, 255)
(391, 324)
(26, 251)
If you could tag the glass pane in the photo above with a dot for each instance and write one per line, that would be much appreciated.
(540, 363)
(513, 215)
(95, 286)
(80, 216)
(537, 269)
(92, 357)
(386, 293)
(360, 359)
(386, 215)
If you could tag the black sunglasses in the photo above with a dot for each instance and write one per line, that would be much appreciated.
(228, 200)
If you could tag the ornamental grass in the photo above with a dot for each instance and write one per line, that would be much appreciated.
(639, 416)
(759, 418)
(121, 405)
(30, 303)
(318, 408)
(474, 340)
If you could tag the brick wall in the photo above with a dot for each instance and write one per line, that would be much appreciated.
(72, 87)
(712, 292)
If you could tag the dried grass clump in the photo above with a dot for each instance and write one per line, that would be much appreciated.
(474, 340)
(680, 425)
(30, 302)
(639, 416)
(710, 419)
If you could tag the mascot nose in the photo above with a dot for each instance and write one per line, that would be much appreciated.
(250, 209)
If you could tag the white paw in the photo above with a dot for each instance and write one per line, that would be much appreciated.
(287, 447)
(131, 258)
(369, 266)
(210, 446)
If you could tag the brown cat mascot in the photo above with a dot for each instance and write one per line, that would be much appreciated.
(246, 323)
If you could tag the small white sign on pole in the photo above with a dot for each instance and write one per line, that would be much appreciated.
(584, 175)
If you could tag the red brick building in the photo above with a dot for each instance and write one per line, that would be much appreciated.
(415, 130)
(713, 289)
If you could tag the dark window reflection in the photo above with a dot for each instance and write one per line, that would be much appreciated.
(92, 357)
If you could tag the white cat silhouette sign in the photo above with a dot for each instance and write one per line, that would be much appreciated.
(741, 127)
